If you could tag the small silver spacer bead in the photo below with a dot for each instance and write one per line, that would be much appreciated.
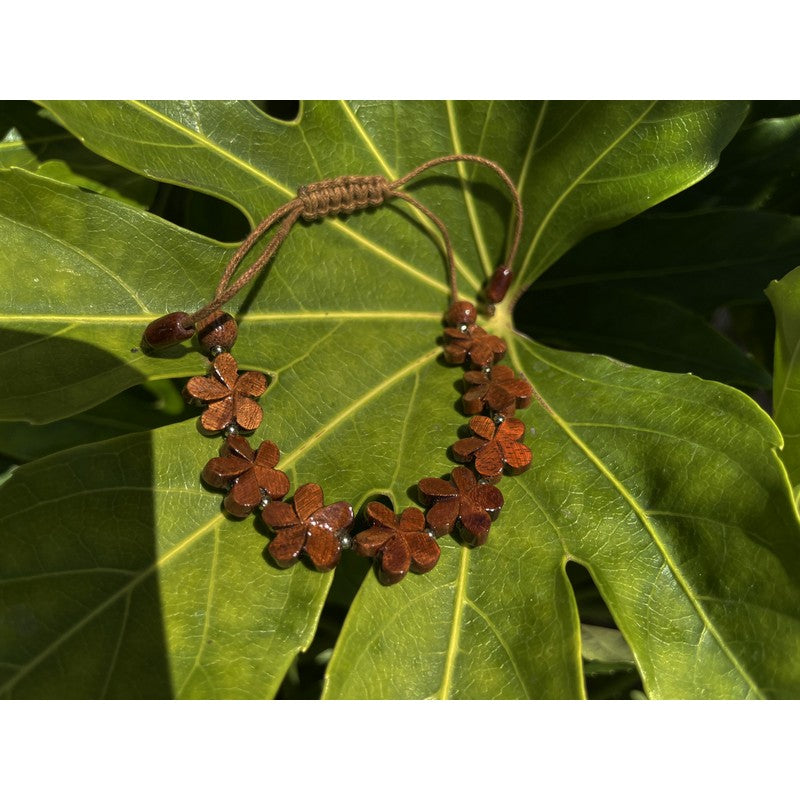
(231, 430)
(463, 327)
(263, 504)
(483, 481)
(430, 533)
(487, 371)
(216, 350)
(345, 541)
(499, 419)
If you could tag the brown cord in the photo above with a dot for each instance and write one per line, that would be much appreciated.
(345, 195)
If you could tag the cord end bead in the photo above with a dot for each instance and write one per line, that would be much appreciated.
(168, 330)
(498, 284)
(217, 330)
(461, 312)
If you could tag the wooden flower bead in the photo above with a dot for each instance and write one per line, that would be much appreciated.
(230, 396)
(494, 446)
(461, 500)
(251, 474)
(217, 330)
(307, 526)
(461, 312)
(482, 348)
(399, 541)
(501, 391)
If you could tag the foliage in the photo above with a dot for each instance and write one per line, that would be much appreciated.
(654, 540)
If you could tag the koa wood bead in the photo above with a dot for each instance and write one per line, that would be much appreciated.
(217, 330)
(498, 284)
(492, 447)
(461, 312)
(463, 501)
(167, 331)
(398, 541)
(307, 526)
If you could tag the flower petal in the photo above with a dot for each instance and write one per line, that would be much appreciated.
(323, 548)
(335, 518)
(287, 545)
(395, 561)
(247, 413)
(412, 519)
(272, 481)
(516, 455)
(280, 515)
(218, 415)
(474, 524)
(476, 377)
(511, 430)
(206, 389)
(489, 498)
(464, 479)
(381, 514)
(219, 472)
(244, 495)
(489, 460)
(472, 401)
(432, 489)
(465, 449)
(483, 427)
(424, 552)
(226, 369)
(238, 446)
(307, 499)
(442, 516)
(369, 542)
(251, 384)
(267, 454)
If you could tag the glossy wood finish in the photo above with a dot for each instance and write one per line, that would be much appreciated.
(494, 447)
(250, 475)
(230, 397)
(307, 526)
(481, 348)
(462, 501)
(398, 541)
(167, 331)
(461, 312)
(499, 283)
(501, 391)
(217, 330)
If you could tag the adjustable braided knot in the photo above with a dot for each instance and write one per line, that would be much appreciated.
(342, 195)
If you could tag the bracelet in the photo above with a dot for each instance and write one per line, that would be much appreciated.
(467, 502)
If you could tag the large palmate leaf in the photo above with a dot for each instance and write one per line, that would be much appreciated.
(28, 139)
(123, 578)
(785, 298)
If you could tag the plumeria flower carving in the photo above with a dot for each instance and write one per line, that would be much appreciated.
(461, 501)
(308, 526)
(494, 446)
(250, 475)
(399, 541)
(230, 397)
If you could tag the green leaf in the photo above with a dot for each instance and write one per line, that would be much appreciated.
(638, 329)
(698, 259)
(667, 488)
(785, 298)
(759, 169)
(134, 410)
(123, 579)
(30, 140)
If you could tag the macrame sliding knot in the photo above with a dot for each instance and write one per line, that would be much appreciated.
(343, 195)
